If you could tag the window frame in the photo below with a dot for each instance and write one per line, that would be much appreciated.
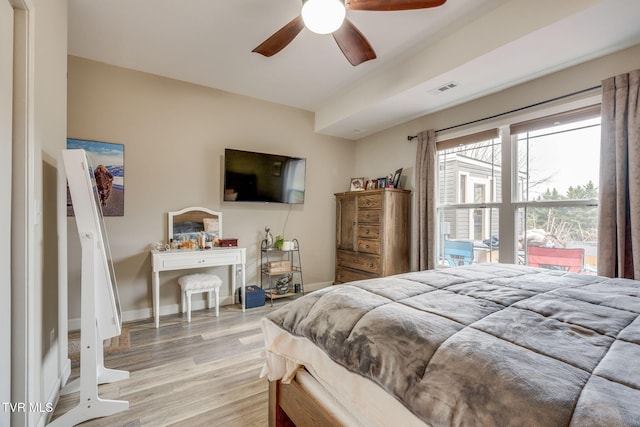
(509, 204)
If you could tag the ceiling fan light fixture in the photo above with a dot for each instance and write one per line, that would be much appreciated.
(323, 16)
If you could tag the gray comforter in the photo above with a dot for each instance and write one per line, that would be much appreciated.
(486, 345)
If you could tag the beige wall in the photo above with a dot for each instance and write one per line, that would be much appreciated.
(389, 150)
(175, 134)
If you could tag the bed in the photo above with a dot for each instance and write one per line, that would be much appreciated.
(481, 345)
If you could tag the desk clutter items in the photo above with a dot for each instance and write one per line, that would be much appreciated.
(199, 242)
(195, 228)
(199, 283)
(256, 296)
(227, 243)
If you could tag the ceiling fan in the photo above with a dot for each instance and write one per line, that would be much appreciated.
(328, 16)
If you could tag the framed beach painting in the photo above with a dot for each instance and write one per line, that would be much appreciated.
(107, 164)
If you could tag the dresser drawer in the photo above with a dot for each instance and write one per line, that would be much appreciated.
(369, 231)
(373, 216)
(369, 263)
(344, 275)
(369, 246)
(370, 201)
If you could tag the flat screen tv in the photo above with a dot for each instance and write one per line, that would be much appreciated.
(261, 177)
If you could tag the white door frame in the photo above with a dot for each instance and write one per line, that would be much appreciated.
(6, 124)
(23, 218)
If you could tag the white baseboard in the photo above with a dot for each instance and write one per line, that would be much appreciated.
(54, 395)
(197, 304)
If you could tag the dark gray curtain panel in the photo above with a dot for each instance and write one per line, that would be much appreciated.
(424, 240)
(619, 228)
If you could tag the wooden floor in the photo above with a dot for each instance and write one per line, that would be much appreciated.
(206, 373)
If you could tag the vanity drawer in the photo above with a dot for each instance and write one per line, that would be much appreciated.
(194, 259)
(369, 263)
(369, 246)
(369, 216)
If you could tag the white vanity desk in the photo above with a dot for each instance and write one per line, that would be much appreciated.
(182, 259)
(186, 222)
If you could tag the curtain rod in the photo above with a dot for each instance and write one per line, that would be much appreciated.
(412, 137)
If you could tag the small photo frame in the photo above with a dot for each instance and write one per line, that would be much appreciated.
(276, 169)
(357, 184)
(211, 225)
(382, 182)
(396, 178)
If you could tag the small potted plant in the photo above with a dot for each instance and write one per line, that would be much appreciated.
(279, 240)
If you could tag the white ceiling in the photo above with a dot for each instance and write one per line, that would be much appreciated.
(482, 45)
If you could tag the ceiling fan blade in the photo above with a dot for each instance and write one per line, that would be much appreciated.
(386, 5)
(281, 38)
(353, 44)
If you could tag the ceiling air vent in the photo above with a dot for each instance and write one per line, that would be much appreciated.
(445, 87)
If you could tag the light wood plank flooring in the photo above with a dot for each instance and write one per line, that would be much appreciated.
(206, 373)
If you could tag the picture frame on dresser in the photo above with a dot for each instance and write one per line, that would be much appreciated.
(357, 184)
(396, 178)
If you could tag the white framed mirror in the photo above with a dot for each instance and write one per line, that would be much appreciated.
(191, 222)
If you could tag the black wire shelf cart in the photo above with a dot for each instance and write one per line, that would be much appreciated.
(281, 271)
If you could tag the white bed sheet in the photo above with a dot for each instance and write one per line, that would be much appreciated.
(353, 399)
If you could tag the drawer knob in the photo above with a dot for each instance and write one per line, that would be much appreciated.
(371, 265)
(366, 231)
(366, 246)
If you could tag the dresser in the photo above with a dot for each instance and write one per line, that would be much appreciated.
(372, 233)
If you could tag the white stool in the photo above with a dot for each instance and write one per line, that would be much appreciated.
(198, 283)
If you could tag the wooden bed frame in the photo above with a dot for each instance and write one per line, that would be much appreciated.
(290, 405)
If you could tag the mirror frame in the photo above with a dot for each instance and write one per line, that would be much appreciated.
(192, 214)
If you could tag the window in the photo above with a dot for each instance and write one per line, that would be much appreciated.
(471, 164)
(552, 197)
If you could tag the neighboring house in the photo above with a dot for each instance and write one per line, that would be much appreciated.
(465, 179)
